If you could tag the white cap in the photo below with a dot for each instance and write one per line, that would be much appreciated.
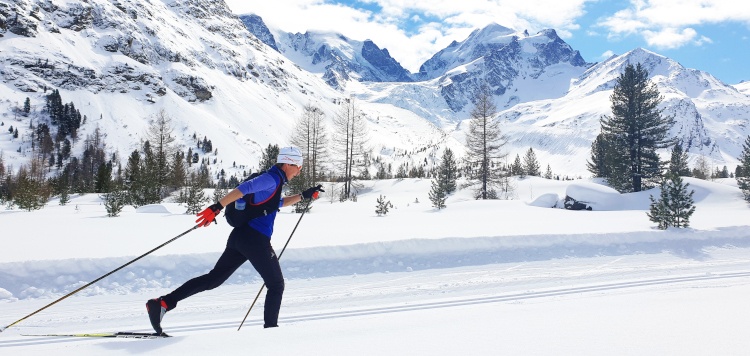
(290, 155)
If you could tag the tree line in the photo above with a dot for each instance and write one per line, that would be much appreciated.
(624, 154)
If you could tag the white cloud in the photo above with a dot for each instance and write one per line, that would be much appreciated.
(669, 37)
(606, 55)
(673, 23)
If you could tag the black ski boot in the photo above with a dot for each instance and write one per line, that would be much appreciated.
(156, 309)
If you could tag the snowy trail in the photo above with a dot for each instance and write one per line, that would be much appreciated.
(395, 298)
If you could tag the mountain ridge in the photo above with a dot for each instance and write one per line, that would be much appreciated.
(123, 61)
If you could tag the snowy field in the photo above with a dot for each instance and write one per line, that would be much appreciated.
(478, 278)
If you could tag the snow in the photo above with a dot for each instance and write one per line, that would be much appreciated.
(478, 278)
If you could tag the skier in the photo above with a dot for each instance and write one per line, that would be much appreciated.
(250, 241)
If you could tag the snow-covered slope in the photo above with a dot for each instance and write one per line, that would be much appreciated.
(743, 87)
(711, 117)
(121, 62)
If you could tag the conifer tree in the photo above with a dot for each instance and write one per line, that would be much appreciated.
(115, 201)
(268, 157)
(195, 198)
(219, 193)
(678, 163)
(161, 142)
(178, 171)
(530, 164)
(103, 183)
(484, 142)
(383, 206)
(743, 182)
(658, 211)
(26, 107)
(350, 137)
(634, 132)
(448, 172)
(310, 136)
(517, 167)
(548, 172)
(681, 205)
(675, 204)
(31, 192)
(437, 194)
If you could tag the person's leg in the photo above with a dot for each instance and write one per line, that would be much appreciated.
(257, 248)
(229, 261)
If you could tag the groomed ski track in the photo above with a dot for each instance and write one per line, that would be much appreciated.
(383, 294)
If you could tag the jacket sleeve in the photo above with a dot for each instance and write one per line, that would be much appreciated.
(260, 183)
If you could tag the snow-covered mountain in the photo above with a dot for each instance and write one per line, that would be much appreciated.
(743, 87)
(711, 117)
(551, 99)
(335, 57)
(123, 61)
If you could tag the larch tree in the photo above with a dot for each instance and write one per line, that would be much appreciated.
(310, 136)
(485, 142)
(349, 141)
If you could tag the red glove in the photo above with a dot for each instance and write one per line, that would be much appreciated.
(208, 215)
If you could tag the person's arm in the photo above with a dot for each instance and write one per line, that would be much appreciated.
(291, 200)
(231, 197)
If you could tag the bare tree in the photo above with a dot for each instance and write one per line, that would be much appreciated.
(484, 142)
(309, 135)
(349, 139)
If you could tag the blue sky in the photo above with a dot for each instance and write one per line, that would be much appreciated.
(710, 35)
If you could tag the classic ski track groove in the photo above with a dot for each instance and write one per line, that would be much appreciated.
(418, 306)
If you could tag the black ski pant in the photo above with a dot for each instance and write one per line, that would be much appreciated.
(244, 243)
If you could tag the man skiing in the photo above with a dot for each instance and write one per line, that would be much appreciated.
(248, 241)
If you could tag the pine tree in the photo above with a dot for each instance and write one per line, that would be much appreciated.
(268, 157)
(115, 201)
(195, 198)
(658, 211)
(681, 205)
(530, 164)
(548, 173)
(103, 183)
(743, 182)
(26, 107)
(437, 194)
(448, 172)
(517, 167)
(678, 163)
(219, 193)
(383, 206)
(634, 132)
(675, 204)
(134, 179)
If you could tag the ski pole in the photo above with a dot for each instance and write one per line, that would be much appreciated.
(102, 277)
(282, 252)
